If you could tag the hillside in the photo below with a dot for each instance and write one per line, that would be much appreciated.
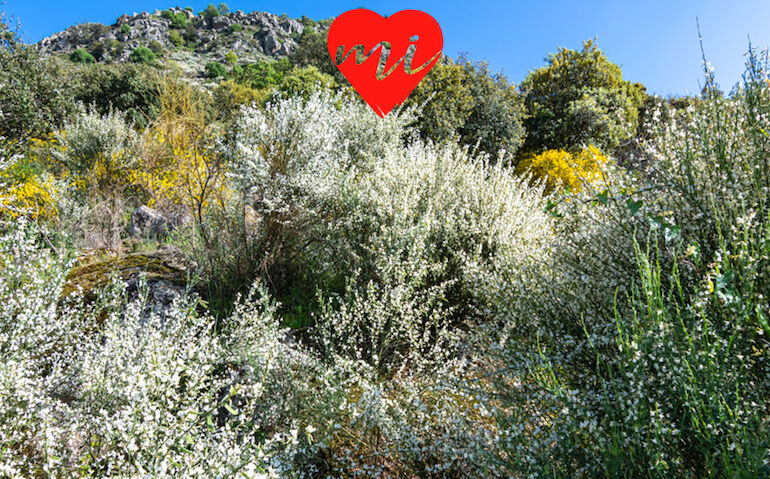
(249, 273)
(188, 38)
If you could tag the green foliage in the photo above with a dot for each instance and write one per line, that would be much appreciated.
(167, 14)
(128, 88)
(125, 29)
(311, 51)
(237, 27)
(142, 55)
(305, 80)
(465, 99)
(210, 12)
(263, 74)
(215, 70)
(191, 34)
(176, 38)
(81, 56)
(579, 98)
(231, 58)
(34, 99)
(223, 8)
(307, 21)
(230, 96)
(179, 20)
(650, 319)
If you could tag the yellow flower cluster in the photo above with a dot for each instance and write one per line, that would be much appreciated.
(23, 193)
(562, 169)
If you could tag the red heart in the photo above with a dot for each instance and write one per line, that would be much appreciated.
(385, 89)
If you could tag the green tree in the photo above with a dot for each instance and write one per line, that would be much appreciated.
(142, 55)
(263, 74)
(81, 56)
(463, 99)
(34, 97)
(223, 8)
(579, 98)
(311, 51)
(211, 12)
(156, 47)
(495, 121)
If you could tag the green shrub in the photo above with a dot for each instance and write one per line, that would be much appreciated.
(167, 14)
(142, 55)
(156, 47)
(176, 39)
(303, 81)
(125, 29)
(191, 34)
(262, 74)
(236, 28)
(663, 372)
(81, 56)
(215, 70)
(231, 58)
(128, 88)
(230, 96)
(311, 51)
(179, 20)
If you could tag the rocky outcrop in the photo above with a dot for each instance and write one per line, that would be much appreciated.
(149, 223)
(161, 275)
(255, 34)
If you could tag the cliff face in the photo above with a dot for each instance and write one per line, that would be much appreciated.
(255, 35)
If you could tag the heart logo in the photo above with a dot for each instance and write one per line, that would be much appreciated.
(384, 58)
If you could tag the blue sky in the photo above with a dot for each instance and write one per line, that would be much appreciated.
(655, 42)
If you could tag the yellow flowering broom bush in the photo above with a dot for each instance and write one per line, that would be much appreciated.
(26, 193)
(181, 168)
(562, 169)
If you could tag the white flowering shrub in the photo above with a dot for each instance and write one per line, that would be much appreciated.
(291, 162)
(109, 390)
(644, 352)
(429, 224)
(92, 140)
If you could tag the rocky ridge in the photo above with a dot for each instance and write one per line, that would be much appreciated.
(254, 35)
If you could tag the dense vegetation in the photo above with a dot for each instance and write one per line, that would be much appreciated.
(474, 286)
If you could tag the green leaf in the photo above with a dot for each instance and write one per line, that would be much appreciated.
(671, 233)
(633, 206)
(603, 197)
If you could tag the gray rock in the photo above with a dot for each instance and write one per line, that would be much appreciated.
(158, 295)
(147, 222)
(270, 43)
(221, 23)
